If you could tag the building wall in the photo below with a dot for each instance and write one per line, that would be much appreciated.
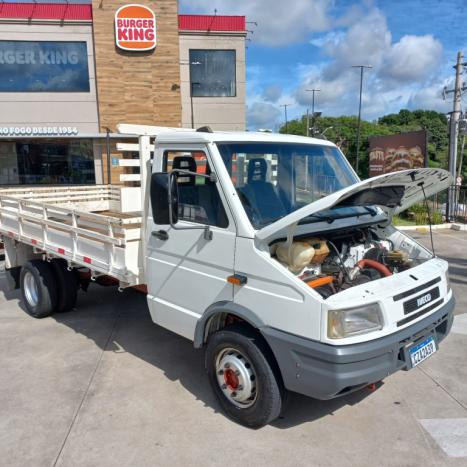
(220, 113)
(137, 87)
(75, 109)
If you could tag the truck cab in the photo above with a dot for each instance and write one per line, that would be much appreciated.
(269, 252)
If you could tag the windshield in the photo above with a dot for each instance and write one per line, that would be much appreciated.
(275, 179)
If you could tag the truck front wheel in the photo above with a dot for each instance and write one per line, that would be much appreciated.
(243, 376)
(38, 288)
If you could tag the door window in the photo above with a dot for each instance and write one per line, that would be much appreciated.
(199, 199)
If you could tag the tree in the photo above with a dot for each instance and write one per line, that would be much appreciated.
(343, 131)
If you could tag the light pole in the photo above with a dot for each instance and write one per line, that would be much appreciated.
(191, 89)
(359, 111)
(191, 102)
(312, 113)
(285, 112)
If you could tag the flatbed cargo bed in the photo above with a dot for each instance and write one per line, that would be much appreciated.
(82, 224)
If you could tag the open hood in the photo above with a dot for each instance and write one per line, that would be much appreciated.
(394, 192)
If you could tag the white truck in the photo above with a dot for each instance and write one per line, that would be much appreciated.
(265, 249)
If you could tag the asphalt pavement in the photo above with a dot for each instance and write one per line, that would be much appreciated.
(103, 386)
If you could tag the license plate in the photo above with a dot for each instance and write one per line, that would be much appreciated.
(420, 352)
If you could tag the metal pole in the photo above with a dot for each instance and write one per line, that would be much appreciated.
(359, 112)
(313, 109)
(285, 112)
(192, 111)
(453, 134)
(307, 122)
(107, 144)
(359, 119)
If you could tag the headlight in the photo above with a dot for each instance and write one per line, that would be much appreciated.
(354, 321)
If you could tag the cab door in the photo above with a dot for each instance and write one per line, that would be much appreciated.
(186, 271)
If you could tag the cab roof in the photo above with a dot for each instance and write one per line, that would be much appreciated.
(187, 135)
(236, 136)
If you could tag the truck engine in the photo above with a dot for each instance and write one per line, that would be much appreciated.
(346, 259)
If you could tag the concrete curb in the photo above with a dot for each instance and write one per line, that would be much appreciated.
(423, 228)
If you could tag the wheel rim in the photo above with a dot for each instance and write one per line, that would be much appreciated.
(30, 289)
(236, 378)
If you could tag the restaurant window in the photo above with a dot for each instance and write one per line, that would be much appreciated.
(47, 163)
(212, 73)
(43, 66)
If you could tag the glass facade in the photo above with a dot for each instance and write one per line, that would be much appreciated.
(43, 66)
(47, 162)
(212, 73)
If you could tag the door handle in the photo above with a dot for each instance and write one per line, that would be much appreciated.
(160, 234)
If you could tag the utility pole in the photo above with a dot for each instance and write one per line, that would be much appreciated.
(362, 67)
(454, 133)
(285, 112)
(307, 123)
(312, 112)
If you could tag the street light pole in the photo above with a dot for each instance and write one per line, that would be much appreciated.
(312, 110)
(191, 102)
(191, 89)
(359, 112)
(285, 112)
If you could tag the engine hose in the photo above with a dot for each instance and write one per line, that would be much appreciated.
(370, 263)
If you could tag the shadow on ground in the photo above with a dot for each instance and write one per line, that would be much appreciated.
(131, 330)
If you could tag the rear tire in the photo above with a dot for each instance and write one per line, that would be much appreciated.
(67, 285)
(38, 288)
(243, 376)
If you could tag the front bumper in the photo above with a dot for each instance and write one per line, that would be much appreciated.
(326, 371)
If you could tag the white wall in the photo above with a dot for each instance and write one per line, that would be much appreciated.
(220, 113)
(79, 110)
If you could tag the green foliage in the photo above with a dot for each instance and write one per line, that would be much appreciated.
(343, 131)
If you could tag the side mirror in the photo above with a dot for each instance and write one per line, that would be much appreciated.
(164, 198)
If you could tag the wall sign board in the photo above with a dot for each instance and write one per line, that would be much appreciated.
(135, 28)
(396, 152)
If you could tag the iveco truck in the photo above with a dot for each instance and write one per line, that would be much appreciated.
(266, 250)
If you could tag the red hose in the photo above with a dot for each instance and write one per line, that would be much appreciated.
(370, 263)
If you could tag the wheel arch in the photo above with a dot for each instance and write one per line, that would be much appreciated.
(215, 316)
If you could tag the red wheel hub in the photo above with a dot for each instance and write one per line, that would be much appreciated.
(231, 379)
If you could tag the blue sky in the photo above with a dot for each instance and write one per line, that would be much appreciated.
(411, 44)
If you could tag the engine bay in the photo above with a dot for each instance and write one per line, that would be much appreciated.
(340, 260)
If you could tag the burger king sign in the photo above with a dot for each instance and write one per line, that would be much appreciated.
(135, 28)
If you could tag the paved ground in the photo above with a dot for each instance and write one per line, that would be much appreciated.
(103, 386)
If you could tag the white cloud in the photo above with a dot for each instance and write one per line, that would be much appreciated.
(401, 73)
(278, 23)
(430, 97)
(411, 57)
(262, 115)
(366, 42)
(272, 93)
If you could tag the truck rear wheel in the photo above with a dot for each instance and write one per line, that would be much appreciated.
(67, 282)
(38, 288)
(243, 377)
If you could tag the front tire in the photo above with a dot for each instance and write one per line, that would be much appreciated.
(38, 288)
(243, 376)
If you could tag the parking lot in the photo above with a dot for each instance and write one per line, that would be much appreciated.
(104, 386)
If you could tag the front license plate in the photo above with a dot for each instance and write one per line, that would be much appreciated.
(422, 351)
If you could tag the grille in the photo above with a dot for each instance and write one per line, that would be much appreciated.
(402, 295)
(412, 304)
(420, 313)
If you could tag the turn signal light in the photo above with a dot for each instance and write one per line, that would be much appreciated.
(237, 279)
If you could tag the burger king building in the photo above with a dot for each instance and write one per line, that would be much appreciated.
(70, 72)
